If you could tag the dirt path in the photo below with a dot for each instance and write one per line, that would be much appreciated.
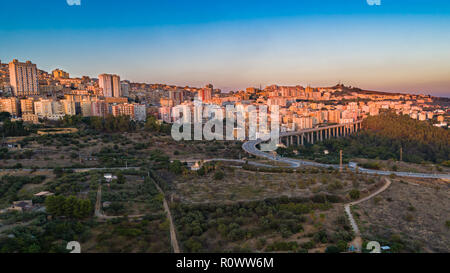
(98, 203)
(173, 235)
(357, 242)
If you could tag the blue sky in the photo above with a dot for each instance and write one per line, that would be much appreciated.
(398, 46)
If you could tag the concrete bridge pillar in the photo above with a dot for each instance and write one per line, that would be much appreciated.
(292, 140)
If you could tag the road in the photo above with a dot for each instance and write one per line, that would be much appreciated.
(98, 203)
(250, 147)
(74, 169)
(357, 242)
(257, 164)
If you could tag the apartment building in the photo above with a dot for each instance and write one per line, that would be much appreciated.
(23, 78)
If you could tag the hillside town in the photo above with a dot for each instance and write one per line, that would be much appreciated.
(32, 95)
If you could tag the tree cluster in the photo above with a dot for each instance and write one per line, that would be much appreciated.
(70, 207)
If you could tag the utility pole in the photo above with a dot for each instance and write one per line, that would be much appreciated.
(340, 160)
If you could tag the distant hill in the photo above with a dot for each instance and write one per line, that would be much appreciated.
(351, 89)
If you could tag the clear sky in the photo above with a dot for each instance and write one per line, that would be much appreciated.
(401, 45)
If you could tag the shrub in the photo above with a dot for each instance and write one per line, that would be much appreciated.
(219, 175)
(332, 249)
(354, 194)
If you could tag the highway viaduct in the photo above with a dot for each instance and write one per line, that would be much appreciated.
(319, 133)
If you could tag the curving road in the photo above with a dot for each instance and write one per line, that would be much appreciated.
(357, 242)
(257, 164)
(250, 147)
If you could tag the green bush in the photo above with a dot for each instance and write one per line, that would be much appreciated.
(332, 249)
(219, 175)
(354, 194)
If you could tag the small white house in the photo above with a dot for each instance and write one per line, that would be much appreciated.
(109, 177)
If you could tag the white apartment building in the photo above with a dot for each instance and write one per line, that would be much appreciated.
(140, 112)
(49, 109)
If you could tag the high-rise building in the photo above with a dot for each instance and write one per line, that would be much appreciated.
(23, 78)
(125, 88)
(110, 84)
(205, 94)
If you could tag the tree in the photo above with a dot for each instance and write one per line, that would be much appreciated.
(332, 249)
(120, 178)
(176, 167)
(70, 207)
(58, 171)
(219, 175)
(193, 245)
(15, 128)
(4, 116)
(152, 124)
(354, 194)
